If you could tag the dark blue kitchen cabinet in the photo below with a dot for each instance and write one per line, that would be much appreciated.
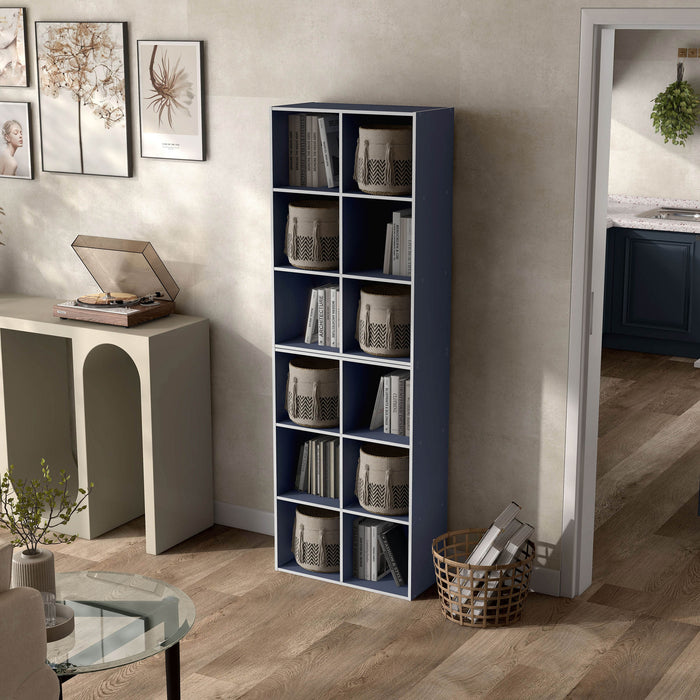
(652, 292)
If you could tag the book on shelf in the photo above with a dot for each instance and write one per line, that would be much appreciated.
(313, 150)
(323, 315)
(394, 544)
(399, 243)
(390, 405)
(318, 467)
(369, 560)
(329, 129)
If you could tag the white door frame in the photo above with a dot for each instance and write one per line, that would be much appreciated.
(587, 274)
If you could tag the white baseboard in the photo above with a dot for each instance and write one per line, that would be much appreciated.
(546, 581)
(244, 518)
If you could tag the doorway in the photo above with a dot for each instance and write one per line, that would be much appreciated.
(587, 291)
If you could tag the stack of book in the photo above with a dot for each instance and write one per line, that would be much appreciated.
(499, 545)
(379, 548)
(322, 316)
(318, 467)
(399, 244)
(313, 150)
(392, 406)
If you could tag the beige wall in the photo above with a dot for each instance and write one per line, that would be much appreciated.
(641, 164)
(509, 68)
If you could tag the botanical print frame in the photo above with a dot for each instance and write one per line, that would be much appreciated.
(13, 47)
(171, 104)
(83, 102)
(15, 140)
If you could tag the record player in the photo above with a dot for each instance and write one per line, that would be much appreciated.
(136, 286)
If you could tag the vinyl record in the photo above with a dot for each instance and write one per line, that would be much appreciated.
(108, 299)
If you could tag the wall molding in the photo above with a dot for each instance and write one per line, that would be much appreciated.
(244, 518)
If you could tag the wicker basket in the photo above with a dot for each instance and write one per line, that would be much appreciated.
(479, 596)
(313, 390)
(384, 320)
(381, 484)
(311, 241)
(316, 542)
(384, 160)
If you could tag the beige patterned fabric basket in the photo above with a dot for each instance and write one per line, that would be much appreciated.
(316, 542)
(381, 484)
(313, 391)
(480, 596)
(384, 160)
(311, 240)
(384, 320)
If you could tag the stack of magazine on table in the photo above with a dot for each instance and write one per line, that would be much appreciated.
(313, 150)
(322, 316)
(398, 244)
(318, 467)
(392, 406)
(499, 545)
(379, 548)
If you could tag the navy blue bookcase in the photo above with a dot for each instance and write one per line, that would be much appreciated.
(363, 220)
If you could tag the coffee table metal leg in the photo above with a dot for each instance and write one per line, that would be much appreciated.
(172, 671)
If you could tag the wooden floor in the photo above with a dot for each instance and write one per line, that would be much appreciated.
(634, 634)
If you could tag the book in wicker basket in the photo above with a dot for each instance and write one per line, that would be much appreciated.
(480, 596)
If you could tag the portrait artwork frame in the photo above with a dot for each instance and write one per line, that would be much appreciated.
(171, 99)
(84, 115)
(15, 150)
(13, 47)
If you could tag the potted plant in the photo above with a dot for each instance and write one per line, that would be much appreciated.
(675, 112)
(30, 509)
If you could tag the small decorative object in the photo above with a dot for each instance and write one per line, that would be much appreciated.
(317, 539)
(63, 625)
(171, 99)
(29, 510)
(13, 42)
(313, 390)
(83, 113)
(382, 480)
(480, 596)
(384, 160)
(15, 143)
(384, 320)
(675, 111)
(311, 240)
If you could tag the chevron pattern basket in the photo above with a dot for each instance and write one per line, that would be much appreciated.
(313, 392)
(316, 542)
(384, 320)
(381, 484)
(384, 160)
(311, 240)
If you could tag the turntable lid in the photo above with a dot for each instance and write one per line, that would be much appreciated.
(121, 265)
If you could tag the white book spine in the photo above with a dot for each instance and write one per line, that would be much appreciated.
(396, 244)
(321, 316)
(334, 317)
(387, 403)
(407, 422)
(394, 420)
(328, 166)
(386, 268)
(311, 334)
(402, 405)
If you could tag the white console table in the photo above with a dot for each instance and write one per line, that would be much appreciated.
(126, 408)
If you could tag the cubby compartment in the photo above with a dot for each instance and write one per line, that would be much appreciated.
(414, 348)
(280, 213)
(281, 136)
(292, 292)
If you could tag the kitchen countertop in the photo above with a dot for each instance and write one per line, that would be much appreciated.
(624, 210)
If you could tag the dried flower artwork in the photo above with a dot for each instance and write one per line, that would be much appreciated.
(13, 63)
(171, 89)
(83, 64)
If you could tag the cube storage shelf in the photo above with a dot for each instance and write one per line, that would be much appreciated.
(362, 231)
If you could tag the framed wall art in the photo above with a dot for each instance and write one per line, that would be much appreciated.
(13, 54)
(15, 141)
(171, 104)
(82, 72)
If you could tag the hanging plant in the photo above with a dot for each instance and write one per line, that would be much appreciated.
(675, 111)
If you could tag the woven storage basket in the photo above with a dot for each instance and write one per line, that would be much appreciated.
(384, 320)
(311, 240)
(384, 159)
(316, 542)
(480, 596)
(381, 484)
(313, 389)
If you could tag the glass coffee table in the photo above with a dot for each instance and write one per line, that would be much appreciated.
(119, 619)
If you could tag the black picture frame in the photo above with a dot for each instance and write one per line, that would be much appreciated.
(84, 112)
(171, 99)
(12, 154)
